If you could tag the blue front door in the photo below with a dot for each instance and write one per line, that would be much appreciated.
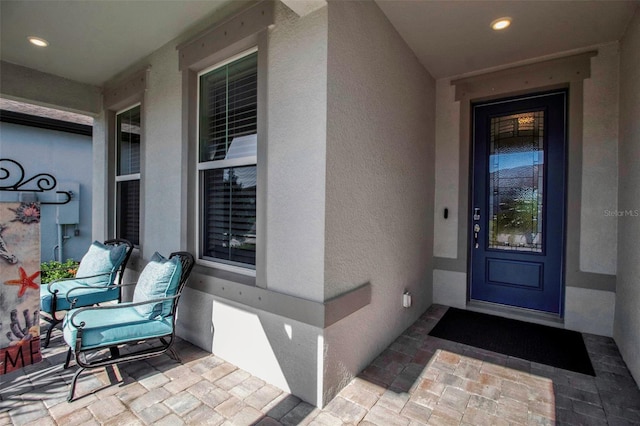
(518, 206)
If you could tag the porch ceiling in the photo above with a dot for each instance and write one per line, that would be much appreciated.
(452, 38)
(91, 41)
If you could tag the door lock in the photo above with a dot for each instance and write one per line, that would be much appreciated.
(476, 213)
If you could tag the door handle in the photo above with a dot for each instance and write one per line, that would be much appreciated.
(476, 229)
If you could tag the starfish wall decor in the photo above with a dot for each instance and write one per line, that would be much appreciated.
(25, 281)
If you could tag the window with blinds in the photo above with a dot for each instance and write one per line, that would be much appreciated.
(227, 162)
(128, 175)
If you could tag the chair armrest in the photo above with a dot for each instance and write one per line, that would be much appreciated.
(52, 283)
(97, 287)
(118, 306)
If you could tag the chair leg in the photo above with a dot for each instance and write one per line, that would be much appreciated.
(66, 363)
(72, 389)
(115, 352)
(171, 350)
(47, 337)
(113, 373)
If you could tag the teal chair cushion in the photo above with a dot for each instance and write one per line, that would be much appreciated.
(85, 297)
(158, 279)
(101, 259)
(107, 327)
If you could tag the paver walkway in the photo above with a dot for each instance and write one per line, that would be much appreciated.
(418, 380)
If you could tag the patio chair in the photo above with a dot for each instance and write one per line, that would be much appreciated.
(105, 335)
(99, 272)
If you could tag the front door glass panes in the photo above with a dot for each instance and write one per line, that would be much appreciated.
(516, 182)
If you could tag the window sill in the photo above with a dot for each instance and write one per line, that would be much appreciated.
(210, 270)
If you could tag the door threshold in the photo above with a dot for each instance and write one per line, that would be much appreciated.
(512, 312)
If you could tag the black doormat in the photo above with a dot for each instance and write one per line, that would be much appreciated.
(533, 342)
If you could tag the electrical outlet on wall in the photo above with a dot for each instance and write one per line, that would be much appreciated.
(406, 299)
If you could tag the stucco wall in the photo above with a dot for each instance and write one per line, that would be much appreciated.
(48, 90)
(598, 231)
(280, 351)
(627, 318)
(296, 151)
(380, 185)
(67, 157)
(163, 162)
(447, 151)
(99, 166)
(445, 233)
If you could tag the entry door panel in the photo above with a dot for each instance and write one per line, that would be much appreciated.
(517, 224)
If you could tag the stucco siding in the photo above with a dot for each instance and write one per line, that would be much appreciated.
(590, 311)
(450, 288)
(600, 164)
(100, 207)
(447, 170)
(163, 161)
(380, 185)
(48, 90)
(281, 351)
(296, 151)
(627, 318)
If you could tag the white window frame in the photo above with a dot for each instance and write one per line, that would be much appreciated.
(127, 177)
(217, 164)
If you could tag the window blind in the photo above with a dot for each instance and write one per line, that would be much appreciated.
(230, 214)
(228, 125)
(128, 219)
(128, 186)
(228, 106)
(128, 124)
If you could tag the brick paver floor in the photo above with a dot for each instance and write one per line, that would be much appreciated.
(417, 380)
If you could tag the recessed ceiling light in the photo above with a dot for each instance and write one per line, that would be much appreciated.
(501, 23)
(37, 41)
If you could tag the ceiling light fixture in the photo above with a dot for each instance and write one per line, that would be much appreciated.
(501, 23)
(37, 41)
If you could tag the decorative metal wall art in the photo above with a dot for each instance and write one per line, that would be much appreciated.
(13, 179)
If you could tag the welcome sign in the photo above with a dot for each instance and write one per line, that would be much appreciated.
(19, 285)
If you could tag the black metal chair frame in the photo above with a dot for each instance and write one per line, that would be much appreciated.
(114, 356)
(53, 319)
